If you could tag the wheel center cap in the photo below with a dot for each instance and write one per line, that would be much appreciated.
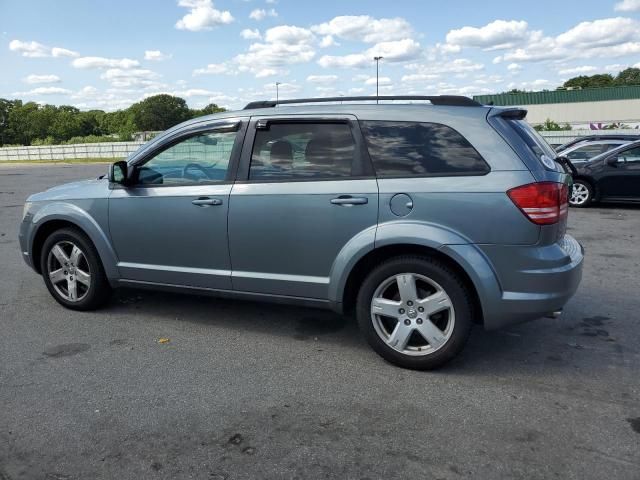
(412, 313)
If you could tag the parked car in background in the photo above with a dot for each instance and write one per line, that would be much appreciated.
(585, 148)
(421, 219)
(613, 176)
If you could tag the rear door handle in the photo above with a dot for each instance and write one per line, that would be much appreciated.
(349, 200)
(204, 201)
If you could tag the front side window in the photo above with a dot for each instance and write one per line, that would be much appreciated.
(630, 159)
(202, 158)
(299, 151)
(404, 149)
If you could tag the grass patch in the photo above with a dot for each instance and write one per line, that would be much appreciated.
(68, 160)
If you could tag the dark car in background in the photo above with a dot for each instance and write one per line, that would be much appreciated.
(584, 149)
(613, 176)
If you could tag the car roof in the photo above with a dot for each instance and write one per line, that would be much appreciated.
(596, 138)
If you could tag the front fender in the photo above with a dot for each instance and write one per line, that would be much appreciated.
(83, 220)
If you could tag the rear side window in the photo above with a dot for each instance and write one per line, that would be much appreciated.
(406, 149)
(534, 141)
(299, 151)
(585, 152)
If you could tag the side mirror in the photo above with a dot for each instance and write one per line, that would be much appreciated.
(118, 172)
(612, 161)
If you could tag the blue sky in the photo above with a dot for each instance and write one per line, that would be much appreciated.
(110, 54)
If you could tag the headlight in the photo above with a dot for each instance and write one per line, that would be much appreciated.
(25, 210)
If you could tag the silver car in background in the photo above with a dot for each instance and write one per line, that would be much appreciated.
(421, 220)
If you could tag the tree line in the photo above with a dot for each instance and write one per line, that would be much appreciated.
(31, 123)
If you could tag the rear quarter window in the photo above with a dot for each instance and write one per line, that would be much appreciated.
(407, 149)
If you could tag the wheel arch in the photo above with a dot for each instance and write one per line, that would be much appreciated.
(55, 217)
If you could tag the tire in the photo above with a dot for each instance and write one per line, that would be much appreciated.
(444, 291)
(81, 269)
(581, 194)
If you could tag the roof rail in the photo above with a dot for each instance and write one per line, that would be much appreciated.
(449, 100)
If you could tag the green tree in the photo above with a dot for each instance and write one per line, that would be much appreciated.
(159, 112)
(208, 110)
(551, 126)
(593, 81)
(629, 76)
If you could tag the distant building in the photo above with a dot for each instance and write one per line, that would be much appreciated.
(589, 108)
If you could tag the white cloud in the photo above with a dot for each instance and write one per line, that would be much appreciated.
(136, 77)
(260, 14)
(382, 81)
(202, 16)
(365, 28)
(38, 50)
(156, 55)
(627, 6)
(63, 52)
(214, 69)
(43, 91)
(101, 62)
(35, 79)
(577, 70)
(419, 77)
(249, 34)
(603, 38)
(393, 51)
(266, 72)
(514, 67)
(354, 60)
(328, 41)
(322, 79)
(283, 45)
(288, 34)
(499, 34)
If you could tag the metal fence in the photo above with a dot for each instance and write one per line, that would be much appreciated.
(114, 150)
(68, 152)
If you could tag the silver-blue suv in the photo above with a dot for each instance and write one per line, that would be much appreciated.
(421, 219)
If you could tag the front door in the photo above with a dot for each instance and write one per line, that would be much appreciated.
(304, 191)
(622, 179)
(170, 225)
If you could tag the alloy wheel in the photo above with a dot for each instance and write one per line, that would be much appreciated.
(69, 271)
(412, 314)
(579, 194)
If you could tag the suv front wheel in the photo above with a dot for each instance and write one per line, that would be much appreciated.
(415, 312)
(72, 270)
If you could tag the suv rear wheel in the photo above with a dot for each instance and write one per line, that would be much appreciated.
(415, 312)
(72, 270)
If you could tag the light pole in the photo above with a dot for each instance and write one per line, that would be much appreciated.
(277, 91)
(377, 59)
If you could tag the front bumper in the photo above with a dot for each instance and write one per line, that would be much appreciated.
(534, 280)
(23, 239)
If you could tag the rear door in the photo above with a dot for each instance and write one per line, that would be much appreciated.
(304, 190)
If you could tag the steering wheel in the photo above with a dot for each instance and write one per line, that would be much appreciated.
(190, 166)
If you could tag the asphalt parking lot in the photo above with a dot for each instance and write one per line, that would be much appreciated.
(249, 390)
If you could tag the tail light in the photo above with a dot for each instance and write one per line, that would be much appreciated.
(543, 203)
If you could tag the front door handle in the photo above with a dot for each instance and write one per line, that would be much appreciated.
(204, 201)
(349, 200)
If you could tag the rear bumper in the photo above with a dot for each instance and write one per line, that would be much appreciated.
(535, 281)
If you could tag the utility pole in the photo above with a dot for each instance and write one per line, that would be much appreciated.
(377, 59)
(277, 91)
